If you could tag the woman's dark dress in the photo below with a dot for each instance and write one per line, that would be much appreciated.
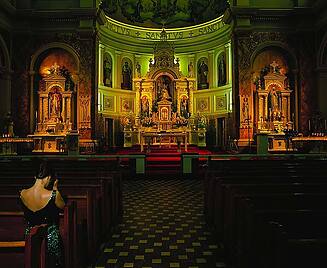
(48, 215)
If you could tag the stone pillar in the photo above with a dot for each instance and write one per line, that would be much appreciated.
(117, 70)
(229, 70)
(101, 54)
(211, 68)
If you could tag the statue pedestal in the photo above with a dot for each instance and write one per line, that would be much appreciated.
(262, 143)
(201, 142)
(128, 137)
(72, 142)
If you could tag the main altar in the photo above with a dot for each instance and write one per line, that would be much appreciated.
(164, 108)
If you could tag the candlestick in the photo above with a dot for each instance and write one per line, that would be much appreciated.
(309, 126)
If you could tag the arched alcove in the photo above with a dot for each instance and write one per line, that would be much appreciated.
(273, 91)
(62, 57)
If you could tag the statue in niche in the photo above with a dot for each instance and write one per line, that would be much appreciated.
(184, 107)
(222, 71)
(274, 104)
(127, 76)
(145, 108)
(55, 104)
(190, 69)
(203, 76)
(138, 70)
(107, 72)
(164, 93)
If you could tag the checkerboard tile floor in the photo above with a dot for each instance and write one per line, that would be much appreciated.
(163, 226)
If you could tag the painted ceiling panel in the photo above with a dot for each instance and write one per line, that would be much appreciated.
(170, 13)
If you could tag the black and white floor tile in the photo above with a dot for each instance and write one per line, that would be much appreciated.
(163, 226)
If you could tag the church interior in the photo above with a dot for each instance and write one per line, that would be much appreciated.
(184, 133)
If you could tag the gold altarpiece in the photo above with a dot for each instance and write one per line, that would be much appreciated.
(273, 108)
(54, 117)
(170, 91)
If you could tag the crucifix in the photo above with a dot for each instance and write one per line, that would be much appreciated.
(274, 65)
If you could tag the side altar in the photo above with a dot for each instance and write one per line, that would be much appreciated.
(54, 114)
(273, 105)
(164, 106)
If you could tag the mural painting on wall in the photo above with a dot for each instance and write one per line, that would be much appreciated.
(127, 105)
(107, 70)
(202, 105)
(245, 110)
(221, 103)
(126, 74)
(203, 72)
(222, 77)
(60, 62)
(152, 13)
(85, 111)
(109, 103)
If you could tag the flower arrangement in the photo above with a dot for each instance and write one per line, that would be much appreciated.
(147, 122)
(181, 121)
(201, 121)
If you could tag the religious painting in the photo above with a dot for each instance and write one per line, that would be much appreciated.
(221, 103)
(126, 73)
(222, 75)
(203, 104)
(127, 105)
(107, 70)
(203, 72)
(109, 103)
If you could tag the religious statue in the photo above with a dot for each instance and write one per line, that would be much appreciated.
(145, 106)
(55, 69)
(107, 72)
(222, 71)
(138, 70)
(55, 104)
(184, 107)
(164, 93)
(127, 76)
(203, 75)
(190, 69)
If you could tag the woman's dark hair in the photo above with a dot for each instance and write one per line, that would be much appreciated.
(45, 170)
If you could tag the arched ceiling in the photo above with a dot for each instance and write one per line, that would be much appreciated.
(170, 13)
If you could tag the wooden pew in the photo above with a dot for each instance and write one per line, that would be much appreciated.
(12, 228)
(260, 208)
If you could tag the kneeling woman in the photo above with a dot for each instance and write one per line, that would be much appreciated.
(41, 205)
